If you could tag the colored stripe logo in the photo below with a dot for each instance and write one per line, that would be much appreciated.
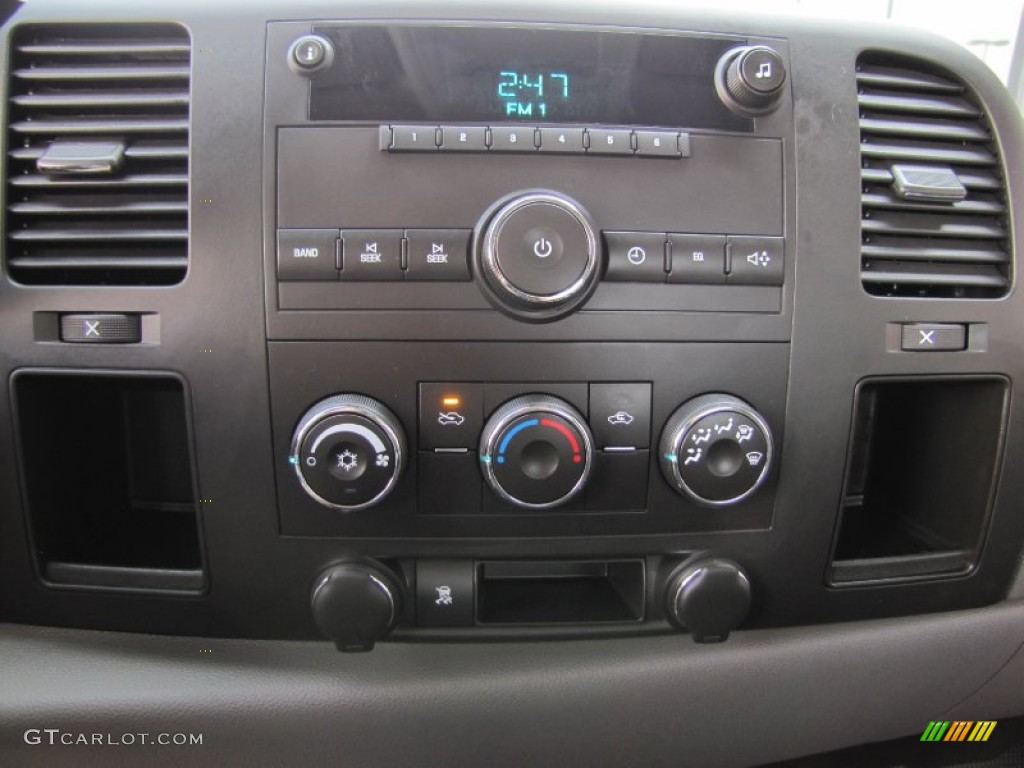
(959, 730)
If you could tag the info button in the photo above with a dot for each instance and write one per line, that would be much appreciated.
(635, 257)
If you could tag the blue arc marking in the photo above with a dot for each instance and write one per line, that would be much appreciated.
(514, 431)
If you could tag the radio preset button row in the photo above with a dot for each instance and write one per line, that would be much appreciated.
(689, 258)
(530, 139)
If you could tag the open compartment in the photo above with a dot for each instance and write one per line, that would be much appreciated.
(109, 483)
(560, 591)
(921, 473)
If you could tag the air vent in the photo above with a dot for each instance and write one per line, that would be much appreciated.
(933, 200)
(97, 155)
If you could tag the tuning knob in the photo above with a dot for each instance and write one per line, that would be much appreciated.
(348, 452)
(355, 604)
(716, 449)
(750, 80)
(536, 452)
(709, 599)
(537, 255)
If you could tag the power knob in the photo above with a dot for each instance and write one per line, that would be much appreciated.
(750, 80)
(715, 449)
(348, 452)
(537, 255)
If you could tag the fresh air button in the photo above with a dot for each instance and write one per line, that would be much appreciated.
(567, 140)
(463, 139)
(371, 254)
(451, 415)
(437, 254)
(635, 257)
(659, 144)
(306, 254)
(620, 415)
(413, 138)
(610, 141)
(444, 593)
(756, 260)
(933, 337)
(96, 328)
(512, 139)
(697, 259)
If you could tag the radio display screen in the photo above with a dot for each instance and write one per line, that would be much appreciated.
(506, 74)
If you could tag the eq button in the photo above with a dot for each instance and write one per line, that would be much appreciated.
(697, 259)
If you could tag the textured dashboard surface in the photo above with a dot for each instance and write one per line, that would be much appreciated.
(761, 697)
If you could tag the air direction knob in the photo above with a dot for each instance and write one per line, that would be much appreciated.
(715, 449)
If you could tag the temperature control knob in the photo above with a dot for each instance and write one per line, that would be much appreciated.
(716, 449)
(348, 452)
(750, 80)
(536, 452)
(537, 255)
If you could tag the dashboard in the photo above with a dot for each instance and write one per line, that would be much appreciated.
(563, 368)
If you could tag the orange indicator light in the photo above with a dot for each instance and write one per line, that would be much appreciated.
(451, 402)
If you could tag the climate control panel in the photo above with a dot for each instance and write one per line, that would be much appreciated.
(629, 439)
(535, 451)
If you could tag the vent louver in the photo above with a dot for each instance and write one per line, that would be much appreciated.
(933, 201)
(98, 155)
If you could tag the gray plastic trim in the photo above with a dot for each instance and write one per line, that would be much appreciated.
(659, 701)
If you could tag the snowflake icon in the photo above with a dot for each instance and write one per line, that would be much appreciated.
(347, 460)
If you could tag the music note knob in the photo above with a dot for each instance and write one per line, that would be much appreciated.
(750, 80)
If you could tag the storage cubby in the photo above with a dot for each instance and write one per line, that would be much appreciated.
(921, 472)
(108, 475)
(560, 592)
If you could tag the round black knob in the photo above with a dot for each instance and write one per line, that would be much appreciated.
(716, 449)
(750, 80)
(536, 452)
(355, 604)
(537, 255)
(348, 452)
(709, 599)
